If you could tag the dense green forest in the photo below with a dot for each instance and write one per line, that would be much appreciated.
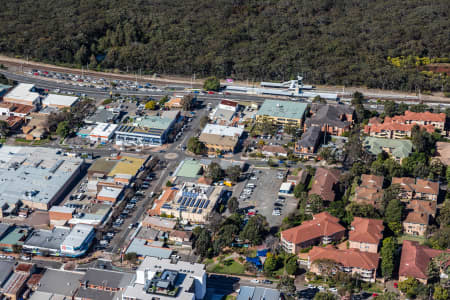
(328, 41)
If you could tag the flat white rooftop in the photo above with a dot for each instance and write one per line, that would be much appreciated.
(34, 174)
(23, 92)
(77, 235)
(104, 130)
(59, 100)
(222, 130)
(109, 192)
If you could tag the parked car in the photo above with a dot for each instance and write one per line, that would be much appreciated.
(254, 281)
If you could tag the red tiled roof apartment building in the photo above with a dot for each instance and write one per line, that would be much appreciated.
(415, 259)
(366, 234)
(419, 189)
(370, 191)
(323, 228)
(324, 182)
(399, 127)
(352, 261)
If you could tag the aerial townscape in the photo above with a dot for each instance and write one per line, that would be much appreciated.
(225, 150)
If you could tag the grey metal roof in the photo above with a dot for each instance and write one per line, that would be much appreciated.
(3, 229)
(60, 282)
(142, 248)
(258, 293)
(6, 268)
(47, 239)
(86, 293)
(107, 278)
(310, 138)
(329, 114)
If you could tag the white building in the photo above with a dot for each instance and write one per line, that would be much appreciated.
(23, 93)
(228, 105)
(103, 132)
(165, 279)
(78, 241)
(59, 101)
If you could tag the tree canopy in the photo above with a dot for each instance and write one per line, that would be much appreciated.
(376, 43)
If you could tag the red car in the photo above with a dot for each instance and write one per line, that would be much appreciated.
(374, 295)
(210, 92)
(396, 285)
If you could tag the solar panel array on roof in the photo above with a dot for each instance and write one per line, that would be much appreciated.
(206, 204)
(197, 203)
(194, 210)
(199, 211)
(201, 203)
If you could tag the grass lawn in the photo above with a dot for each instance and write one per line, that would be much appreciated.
(419, 239)
(22, 140)
(229, 266)
(2, 141)
(41, 142)
(311, 180)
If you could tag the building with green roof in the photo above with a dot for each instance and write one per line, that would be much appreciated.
(14, 236)
(190, 168)
(282, 112)
(397, 149)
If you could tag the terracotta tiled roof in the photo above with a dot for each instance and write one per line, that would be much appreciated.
(324, 181)
(425, 116)
(372, 181)
(323, 224)
(418, 186)
(415, 259)
(392, 126)
(427, 187)
(167, 196)
(405, 183)
(347, 258)
(417, 218)
(228, 103)
(366, 230)
(274, 149)
(425, 206)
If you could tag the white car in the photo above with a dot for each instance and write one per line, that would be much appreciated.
(311, 286)
(254, 281)
(333, 290)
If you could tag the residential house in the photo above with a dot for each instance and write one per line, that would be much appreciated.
(443, 152)
(397, 149)
(416, 223)
(309, 142)
(180, 236)
(269, 150)
(419, 189)
(366, 234)
(331, 119)
(370, 191)
(425, 206)
(415, 259)
(324, 183)
(437, 120)
(37, 126)
(393, 130)
(322, 229)
(352, 261)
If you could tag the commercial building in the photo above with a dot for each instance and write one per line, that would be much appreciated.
(322, 229)
(190, 168)
(144, 248)
(331, 119)
(193, 202)
(23, 93)
(109, 194)
(103, 132)
(415, 259)
(103, 115)
(105, 280)
(397, 149)
(221, 138)
(159, 223)
(46, 242)
(13, 236)
(286, 188)
(58, 284)
(324, 183)
(145, 131)
(35, 176)
(366, 234)
(60, 101)
(77, 242)
(370, 191)
(167, 279)
(282, 112)
(60, 215)
(352, 261)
